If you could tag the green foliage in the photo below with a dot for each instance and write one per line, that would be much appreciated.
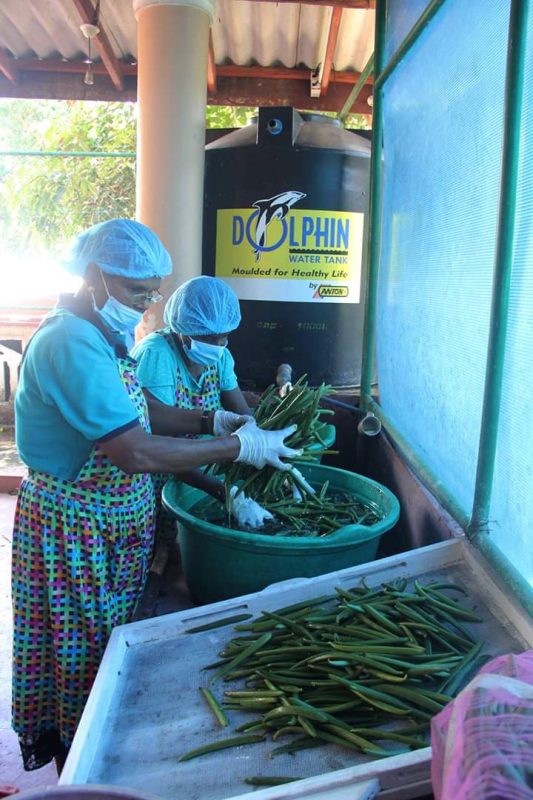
(48, 200)
(358, 122)
(228, 116)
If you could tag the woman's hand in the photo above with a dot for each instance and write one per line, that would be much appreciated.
(246, 511)
(226, 422)
(259, 447)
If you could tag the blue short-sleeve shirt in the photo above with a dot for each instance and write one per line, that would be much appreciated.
(160, 365)
(70, 395)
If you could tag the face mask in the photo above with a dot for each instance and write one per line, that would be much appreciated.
(203, 353)
(118, 316)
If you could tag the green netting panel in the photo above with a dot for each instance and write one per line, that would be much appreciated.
(443, 113)
(511, 517)
(401, 16)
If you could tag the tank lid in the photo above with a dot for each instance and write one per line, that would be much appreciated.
(307, 130)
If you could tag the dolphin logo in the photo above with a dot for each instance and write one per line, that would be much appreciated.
(276, 207)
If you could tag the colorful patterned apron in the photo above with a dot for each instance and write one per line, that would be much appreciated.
(81, 551)
(208, 398)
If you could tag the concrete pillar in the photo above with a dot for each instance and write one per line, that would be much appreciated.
(173, 40)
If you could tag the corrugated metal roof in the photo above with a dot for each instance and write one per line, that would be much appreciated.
(355, 44)
(245, 33)
(41, 28)
(51, 28)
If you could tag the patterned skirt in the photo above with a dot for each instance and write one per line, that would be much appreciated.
(80, 560)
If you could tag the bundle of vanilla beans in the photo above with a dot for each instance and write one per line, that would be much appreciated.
(298, 510)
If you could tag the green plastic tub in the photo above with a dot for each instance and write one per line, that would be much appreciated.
(219, 563)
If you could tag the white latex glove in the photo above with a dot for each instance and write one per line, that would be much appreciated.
(259, 447)
(296, 493)
(246, 511)
(226, 422)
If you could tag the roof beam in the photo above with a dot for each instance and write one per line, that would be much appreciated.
(44, 85)
(258, 92)
(59, 67)
(334, 25)
(211, 66)
(263, 73)
(222, 71)
(103, 45)
(67, 86)
(364, 4)
(285, 73)
(8, 66)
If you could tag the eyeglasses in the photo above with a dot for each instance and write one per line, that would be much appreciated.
(137, 298)
(147, 298)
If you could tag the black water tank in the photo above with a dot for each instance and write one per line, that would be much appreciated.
(286, 202)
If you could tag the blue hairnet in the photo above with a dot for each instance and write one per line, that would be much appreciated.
(203, 306)
(120, 247)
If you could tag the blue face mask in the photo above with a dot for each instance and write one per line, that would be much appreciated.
(118, 316)
(203, 353)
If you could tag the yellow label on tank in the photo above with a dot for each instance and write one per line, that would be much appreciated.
(304, 255)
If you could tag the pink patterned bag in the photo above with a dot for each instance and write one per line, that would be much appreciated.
(482, 742)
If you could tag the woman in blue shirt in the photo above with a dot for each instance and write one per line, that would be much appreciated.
(188, 364)
(84, 520)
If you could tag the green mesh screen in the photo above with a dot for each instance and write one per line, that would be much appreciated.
(511, 522)
(443, 114)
